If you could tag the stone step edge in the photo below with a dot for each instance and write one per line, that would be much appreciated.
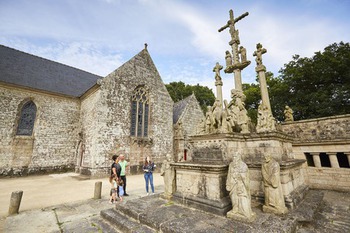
(123, 222)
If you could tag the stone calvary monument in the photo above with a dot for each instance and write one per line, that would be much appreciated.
(231, 163)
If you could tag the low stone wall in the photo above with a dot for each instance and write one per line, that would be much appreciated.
(334, 128)
(329, 178)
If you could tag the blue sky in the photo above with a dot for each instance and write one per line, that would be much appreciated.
(100, 35)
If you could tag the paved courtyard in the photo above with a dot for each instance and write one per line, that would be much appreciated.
(62, 203)
(44, 197)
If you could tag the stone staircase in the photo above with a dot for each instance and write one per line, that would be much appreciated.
(154, 214)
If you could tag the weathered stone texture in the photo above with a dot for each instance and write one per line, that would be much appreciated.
(110, 111)
(332, 128)
(191, 116)
(55, 134)
(329, 178)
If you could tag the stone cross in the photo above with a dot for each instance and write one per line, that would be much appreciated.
(258, 54)
(260, 69)
(231, 24)
(218, 81)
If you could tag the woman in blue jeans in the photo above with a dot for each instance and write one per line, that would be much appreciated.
(148, 168)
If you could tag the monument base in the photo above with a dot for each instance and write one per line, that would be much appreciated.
(218, 207)
(240, 217)
(269, 209)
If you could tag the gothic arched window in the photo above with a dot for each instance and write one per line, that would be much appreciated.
(27, 119)
(139, 112)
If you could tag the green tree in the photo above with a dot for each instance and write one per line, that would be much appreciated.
(318, 86)
(179, 90)
(313, 87)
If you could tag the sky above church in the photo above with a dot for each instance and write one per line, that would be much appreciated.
(182, 35)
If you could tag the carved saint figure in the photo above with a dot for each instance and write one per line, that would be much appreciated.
(238, 111)
(258, 53)
(238, 184)
(217, 69)
(217, 113)
(288, 114)
(228, 58)
(266, 122)
(243, 53)
(274, 200)
(209, 120)
(168, 175)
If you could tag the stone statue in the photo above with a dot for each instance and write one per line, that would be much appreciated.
(238, 184)
(217, 69)
(288, 114)
(266, 122)
(209, 120)
(169, 176)
(274, 200)
(228, 58)
(217, 114)
(258, 54)
(238, 111)
(243, 53)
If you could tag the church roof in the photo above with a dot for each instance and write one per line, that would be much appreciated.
(27, 70)
(179, 108)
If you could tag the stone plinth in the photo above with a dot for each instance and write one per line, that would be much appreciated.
(202, 185)
(292, 181)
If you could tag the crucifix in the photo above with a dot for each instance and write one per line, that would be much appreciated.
(236, 66)
(231, 24)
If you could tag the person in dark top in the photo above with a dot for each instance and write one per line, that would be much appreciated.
(115, 170)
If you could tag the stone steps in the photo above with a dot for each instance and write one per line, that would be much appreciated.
(121, 223)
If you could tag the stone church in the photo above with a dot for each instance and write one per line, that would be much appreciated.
(58, 118)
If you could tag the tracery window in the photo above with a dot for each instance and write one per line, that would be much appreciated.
(139, 112)
(27, 119)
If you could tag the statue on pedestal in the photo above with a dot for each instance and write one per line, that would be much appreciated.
(169, 176)
(274, 199)
(209, 121)
(288, 114)
(237, 109)
(258, 53)
(266, 122)
(238, 184)
(243, 53)
(228, 59)
(217, 69)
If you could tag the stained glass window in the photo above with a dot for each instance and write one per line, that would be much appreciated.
(139, 112)
(27, 119)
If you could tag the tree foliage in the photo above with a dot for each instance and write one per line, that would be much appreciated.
(313, 87)
(179, 90)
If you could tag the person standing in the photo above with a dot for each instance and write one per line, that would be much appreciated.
(123, 164)
(148, 168)
(115, 169)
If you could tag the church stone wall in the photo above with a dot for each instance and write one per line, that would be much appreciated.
(112, 117)
(191, 117)
(51, 148)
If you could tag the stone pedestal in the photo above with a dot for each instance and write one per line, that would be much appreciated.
(202, 186)
(241, 218)
(269, 209)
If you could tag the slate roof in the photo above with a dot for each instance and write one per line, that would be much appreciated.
(179, 108)
(27, 70)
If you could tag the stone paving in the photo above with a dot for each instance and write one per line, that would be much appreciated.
(321, 211)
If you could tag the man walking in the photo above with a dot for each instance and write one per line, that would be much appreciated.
(123, 164)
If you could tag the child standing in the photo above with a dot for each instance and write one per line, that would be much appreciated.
(114, 188)
(121, 189)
